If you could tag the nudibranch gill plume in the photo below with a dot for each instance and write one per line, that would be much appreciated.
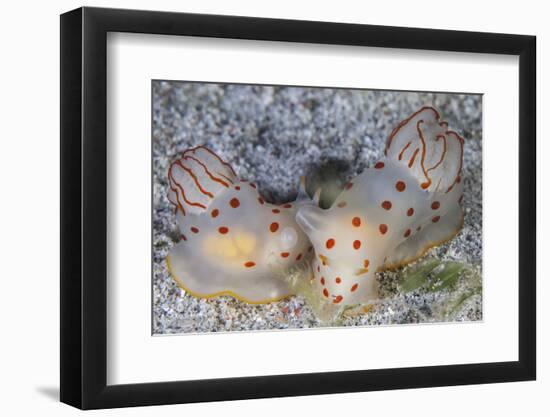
(232, 241)
(390, 214)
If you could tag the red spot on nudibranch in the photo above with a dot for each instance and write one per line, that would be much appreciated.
(435, 205)
(215, 213)
(338, 299)
(234, 202)
(322, 280)
(249, 264)
(330, 243)
(435, 219)
(354, 287)
(276, 211)
(342, 204)
(407, 233)
(366, 263)
(348, 185)
(299, 257)
(253, 185)
(460, 199)
(274, 227)
(261, 200)
(424, 185)
(400, 186)
(223, 230)
(287, 205)
(356, 244)
(237, 187)
(194, 229)
(318, 268)
(338, 280)
(325, 292)
(183, 237)
(383, 228)
(410, 212)
(356, 221)
(379, 165)
(386, 205)
(284, 254)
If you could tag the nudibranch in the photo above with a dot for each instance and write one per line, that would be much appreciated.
(390, 214)
(232, 241)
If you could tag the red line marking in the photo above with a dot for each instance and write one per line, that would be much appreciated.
(461, 141)
(209, 194)
(177, 205)
(196, 148)
(423, 157)
(221, 160)
(212, 177)
(442, 154)
(403, 150)
(191, 203)
(226, 177)
(407, 120)
(445, 125)
(411, 161)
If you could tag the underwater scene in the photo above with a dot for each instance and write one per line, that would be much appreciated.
(280, 207)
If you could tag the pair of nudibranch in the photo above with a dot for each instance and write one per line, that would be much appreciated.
(233, 242)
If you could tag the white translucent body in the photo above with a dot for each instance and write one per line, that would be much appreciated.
(390, 214)
(233, 242)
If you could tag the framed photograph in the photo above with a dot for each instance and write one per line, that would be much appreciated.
(258, 208)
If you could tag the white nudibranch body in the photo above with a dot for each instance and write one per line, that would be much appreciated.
(235, 243)
(232, 241)
(391, 213)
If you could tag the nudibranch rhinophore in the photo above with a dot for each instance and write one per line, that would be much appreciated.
(391, 213)
(232, 241)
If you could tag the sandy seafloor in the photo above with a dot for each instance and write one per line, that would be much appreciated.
(272, 136)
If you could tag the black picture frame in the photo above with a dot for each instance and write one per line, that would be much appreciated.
(84, 207)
